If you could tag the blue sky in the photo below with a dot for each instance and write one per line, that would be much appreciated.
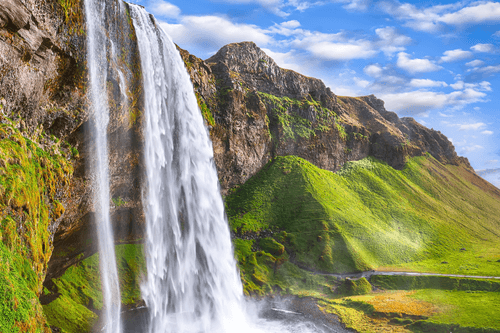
(436, 61)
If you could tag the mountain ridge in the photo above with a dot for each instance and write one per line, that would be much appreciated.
(260, 110)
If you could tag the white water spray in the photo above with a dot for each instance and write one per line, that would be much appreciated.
(192, 283)
(98, 67)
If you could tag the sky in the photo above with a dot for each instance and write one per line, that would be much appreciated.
(435, 61)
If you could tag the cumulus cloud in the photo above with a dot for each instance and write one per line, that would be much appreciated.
(361, 83)
(496, 34)
(285, 60)
(475, 63)
(481, 12)
(418, 102)
(423, 83)
(293, 24)
(468, 127)
(274, 6)
(391, 41)
(470, 149)
(454, 55)
(482, 47)
(432, 19)
(458, 85)
(487, 132)
(355, 5)
(359, 49)
(213, 32)
(165, 9)
(339, 47)
(415, 65)
(373, 70)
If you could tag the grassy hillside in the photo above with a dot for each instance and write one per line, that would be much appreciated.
(368, 216)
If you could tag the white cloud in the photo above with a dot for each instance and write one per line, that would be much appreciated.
(355, 5)
(431, 19)
(361, 83)
(454, 55)
(470, 149)
(482, 12)
(491, 162)
(373, 70)
(489, 69)
(418, 102)
(285, 60)
(496, 34)
(391, 41)
(337, 46)
(482, 47)
(213, 32)
(468, 127)
(422, 83)
(475, 63)
(164, 9)
(459, 85)
(293, 24)
(487, 132)
(359, 49)
(274, 6)
(414, 102)
(416, 65)
(445, 115)
(485, 86)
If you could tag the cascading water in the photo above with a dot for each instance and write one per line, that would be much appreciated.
(97, 51)
(192, 283)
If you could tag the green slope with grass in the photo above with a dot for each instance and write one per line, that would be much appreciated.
(367, 216)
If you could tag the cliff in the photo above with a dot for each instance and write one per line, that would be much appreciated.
(256, 111)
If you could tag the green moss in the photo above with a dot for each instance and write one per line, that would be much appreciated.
(294, 126)
(271, 246)
(354, 287)
(369, 215)
(20, 310)
(31, 183)
(205, 111)
(79, 289)
(118, 201)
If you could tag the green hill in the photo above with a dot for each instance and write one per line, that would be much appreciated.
(369, 216)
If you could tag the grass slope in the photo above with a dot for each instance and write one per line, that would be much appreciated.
(369, 216)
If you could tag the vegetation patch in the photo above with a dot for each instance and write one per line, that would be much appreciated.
(366, 216)
(394, 282)
(287, 111)
(461, 310)
(32, 181)
(78, 293)
(354, 287)
(205, 111)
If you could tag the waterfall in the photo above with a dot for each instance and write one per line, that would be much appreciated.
(192, 283)
(97, 53)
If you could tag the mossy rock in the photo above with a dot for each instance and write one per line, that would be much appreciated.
(271, 246)
(352, 287)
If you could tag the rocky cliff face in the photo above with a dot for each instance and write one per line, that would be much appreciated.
(257, 110)
(43, 94)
